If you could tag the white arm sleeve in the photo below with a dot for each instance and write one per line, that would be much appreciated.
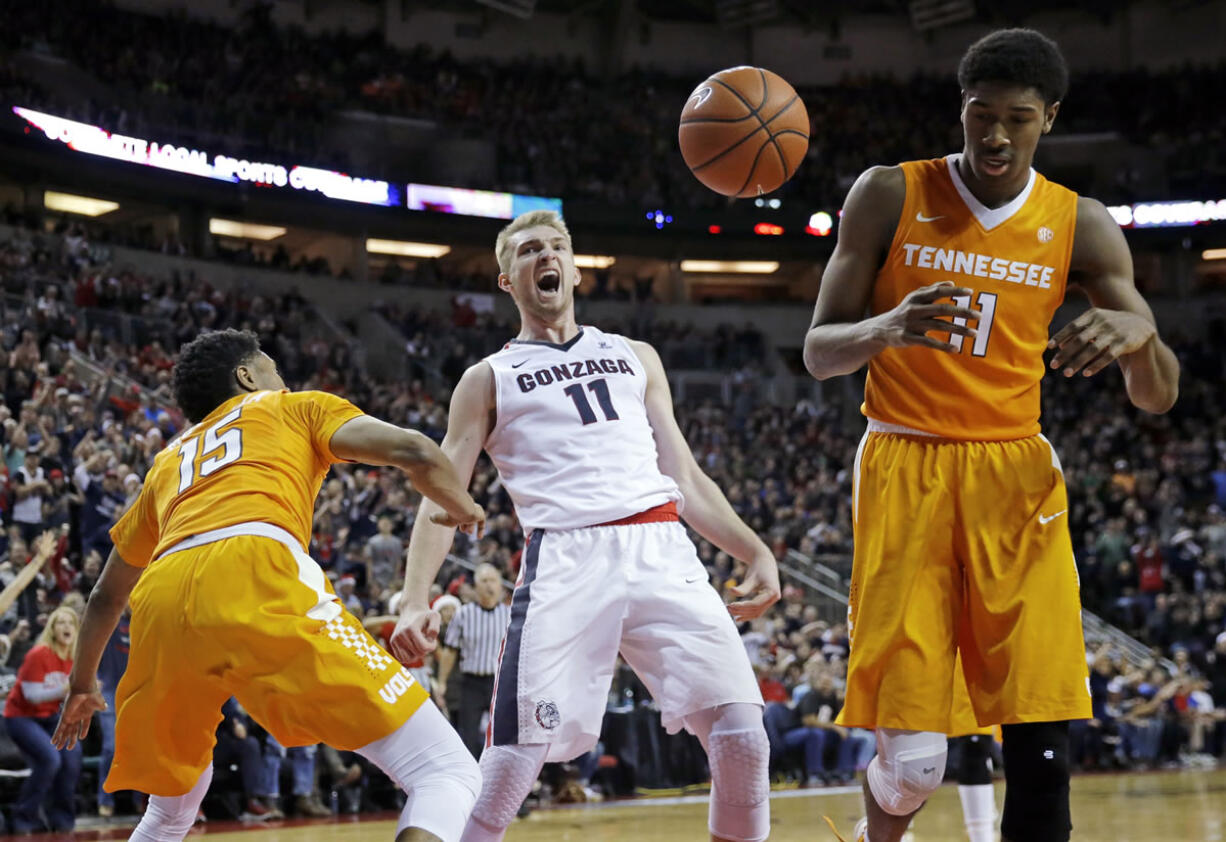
(37, 692)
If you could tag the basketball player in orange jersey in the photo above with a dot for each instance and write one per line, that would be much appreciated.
(959, 505)
(226, 602)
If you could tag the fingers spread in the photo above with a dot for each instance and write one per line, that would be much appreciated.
(1102, 362)
(926, 325)
(929, 342)
(1084, 357)
(1073, 328)
(951, 310)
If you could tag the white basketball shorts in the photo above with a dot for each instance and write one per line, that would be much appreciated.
(583, 595)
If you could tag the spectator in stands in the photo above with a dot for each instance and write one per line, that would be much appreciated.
(815, 731)
(104, 501)
(302, 767)
(31, 714)
(1149, 564)
(386, 555)
(110, 669)
(345, 586)
(236, 746)
(30, 487)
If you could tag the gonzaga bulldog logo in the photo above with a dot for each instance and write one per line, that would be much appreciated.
(547, 715)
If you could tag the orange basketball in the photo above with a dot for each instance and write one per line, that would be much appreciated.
(744, 131)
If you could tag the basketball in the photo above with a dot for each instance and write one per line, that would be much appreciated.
(744, 131)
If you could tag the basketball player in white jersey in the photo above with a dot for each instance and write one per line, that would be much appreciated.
(580, 425)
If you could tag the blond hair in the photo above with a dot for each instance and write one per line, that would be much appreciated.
(47, 638)
(531, 219)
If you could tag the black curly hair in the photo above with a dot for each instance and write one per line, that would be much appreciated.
(1020, 56)
(203, 378)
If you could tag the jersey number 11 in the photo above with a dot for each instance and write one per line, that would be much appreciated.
(600, 389)
(986, 303)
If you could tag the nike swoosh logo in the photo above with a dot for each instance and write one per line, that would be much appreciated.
(517, 365)
(919, 217)
(1050, 518)
(695, 579)
(930, 770)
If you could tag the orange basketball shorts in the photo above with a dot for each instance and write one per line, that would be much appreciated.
(962, 547)
(962, 719)
(251, 616)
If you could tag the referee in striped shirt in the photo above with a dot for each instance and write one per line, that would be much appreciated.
(475, 636)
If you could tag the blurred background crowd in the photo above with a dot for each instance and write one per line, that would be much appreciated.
(87, 344)
(84, 412)
(271, 91)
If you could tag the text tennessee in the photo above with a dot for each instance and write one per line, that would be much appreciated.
(978, 265)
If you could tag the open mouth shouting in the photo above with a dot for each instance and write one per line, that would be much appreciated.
(549, 281)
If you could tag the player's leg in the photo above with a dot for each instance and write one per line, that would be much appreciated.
(1022, 645)
(310, 673)
(679, 638)
(739, 756)
(1036, 783)
(168, 703)
(169, 818)
(429, 761)
(906, 600)
(508, 773)
(975, 787)
(908, 768)
(552, 685)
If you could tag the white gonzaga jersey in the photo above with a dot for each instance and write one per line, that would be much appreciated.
(571, 440)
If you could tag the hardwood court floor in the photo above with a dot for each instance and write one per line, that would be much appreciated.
(1154, 807)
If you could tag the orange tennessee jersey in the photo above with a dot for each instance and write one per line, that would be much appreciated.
(258, 457)
(1016, 260)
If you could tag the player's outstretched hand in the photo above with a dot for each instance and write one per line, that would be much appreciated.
(759, 590)
(920, 313)
(1097, 338)
(472, 522)
(416, 633)
(74, 719)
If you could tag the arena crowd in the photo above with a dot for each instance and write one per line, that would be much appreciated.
(84, 412)
(263, 91)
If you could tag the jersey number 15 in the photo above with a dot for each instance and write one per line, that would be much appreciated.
(220, 447)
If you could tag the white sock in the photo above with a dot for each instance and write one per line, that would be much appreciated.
(979, 811)
(168, 819)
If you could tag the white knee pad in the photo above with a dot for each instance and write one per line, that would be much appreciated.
(427, 759)
(168, 819)
(739, 754)
(507, 774)
(909, 767)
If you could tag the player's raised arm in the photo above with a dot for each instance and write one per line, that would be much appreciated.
(841, 339)
(707, 510)
(1120, 324)
(469, 422)
(374, 442)
(102, 613)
